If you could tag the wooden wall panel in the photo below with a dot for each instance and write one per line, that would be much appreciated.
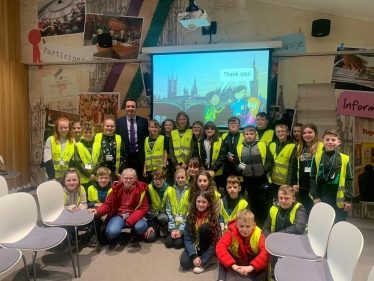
(14, 97)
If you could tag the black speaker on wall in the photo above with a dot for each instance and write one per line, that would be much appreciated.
(321, 28)
(104, 40)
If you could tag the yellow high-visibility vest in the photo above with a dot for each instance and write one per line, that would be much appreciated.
(93, 194)
(154, 158)
(98, 139)
(66, 198)
(281, 162)
(216, 149)
(58, 156)
(267, 137)
(182, 146)
(88, 158)
(156, 204)
(274, 211)
(343, 174)
(178, 208)
(242, 204)
(255, 238)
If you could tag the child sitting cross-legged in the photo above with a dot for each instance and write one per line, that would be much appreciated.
(97, 194)
(157, 217)
(201, 232)
(232, 203)
(241, 250)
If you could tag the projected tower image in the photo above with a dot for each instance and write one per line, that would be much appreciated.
(214, 88)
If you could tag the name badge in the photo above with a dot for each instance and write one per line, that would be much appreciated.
(87, 166)
(109, 158)
(241, 166)
(307, 170)
(62, 162)
(178, 218)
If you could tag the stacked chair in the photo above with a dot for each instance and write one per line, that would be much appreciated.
(303, 257)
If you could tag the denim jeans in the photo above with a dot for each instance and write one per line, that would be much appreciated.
(116, 224)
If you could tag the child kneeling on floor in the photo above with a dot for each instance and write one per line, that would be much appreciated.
(97, 194)
(241, 251)
(156, 217)
(201, 232)
(289, 217)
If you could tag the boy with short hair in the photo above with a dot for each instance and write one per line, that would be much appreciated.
(241, 251)
(87, 156)
(282, 150)
(254, 161)
(288, 217)
(331, 176)
(232, 203)
(96, 195)
(155, 150)
(263, 133)
(230, 141)
(156, 216)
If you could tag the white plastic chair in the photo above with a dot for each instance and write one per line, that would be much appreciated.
(3, 187)
(12, 174)
(9, 258)
(311, 247)
(51, 202)
(343, 251)
(19, 230)
(371, 275)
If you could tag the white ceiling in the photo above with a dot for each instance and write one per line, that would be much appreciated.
(354, 9)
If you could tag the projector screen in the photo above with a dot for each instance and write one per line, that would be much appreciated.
(211, 86)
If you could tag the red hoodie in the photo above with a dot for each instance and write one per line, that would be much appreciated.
(259, 261)
(113, 202)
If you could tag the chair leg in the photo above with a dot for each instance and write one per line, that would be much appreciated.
(33, 264)
(20, 177)
(76, 244)
(25, 264)
(71, 255)
(98, 246)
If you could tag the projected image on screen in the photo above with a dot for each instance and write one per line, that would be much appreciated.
(211, 86)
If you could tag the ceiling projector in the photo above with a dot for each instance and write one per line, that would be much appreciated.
(194, 17)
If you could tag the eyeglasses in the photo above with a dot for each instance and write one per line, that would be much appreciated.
(158, 179)
(234, 123)
(197, 128)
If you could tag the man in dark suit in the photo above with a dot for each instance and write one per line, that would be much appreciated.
(133, 130)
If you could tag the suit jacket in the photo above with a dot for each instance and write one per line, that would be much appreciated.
(142, 133)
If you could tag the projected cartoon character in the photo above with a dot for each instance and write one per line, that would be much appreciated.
(250, 111)
(238, 105)
(211, 110)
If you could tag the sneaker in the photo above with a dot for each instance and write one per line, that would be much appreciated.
(93, 241)
(163, 232)
(198, 269)
(133, 240)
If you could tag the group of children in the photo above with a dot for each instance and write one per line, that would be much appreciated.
(190, 213)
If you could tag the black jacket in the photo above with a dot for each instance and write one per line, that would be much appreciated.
(202, 155)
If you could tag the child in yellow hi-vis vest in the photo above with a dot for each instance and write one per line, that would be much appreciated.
(331, 176)
(97, 194)
(241, 251)
(74, 200)
(155, 151)
(232, 203)
(288, 217)
(157, 219)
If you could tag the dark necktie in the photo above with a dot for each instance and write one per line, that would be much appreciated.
(132, 136)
